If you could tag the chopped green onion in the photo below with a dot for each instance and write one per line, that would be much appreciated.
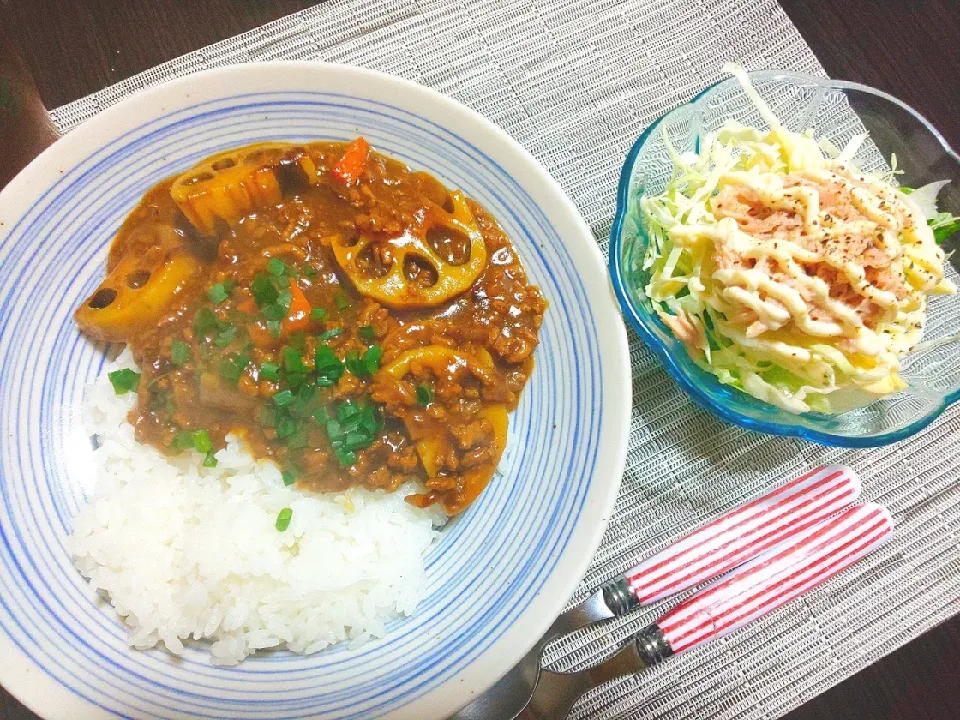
(288, 478)
(183, 440)
(329, 334)
(372, 357)
(366, 365)
(355, 441)
(309, 271)
(124, 380)
(292, 361)
(286, 427)
(371, 420)
(202, 442)
(210, 460)
(270, 371)
(283, 519)
(353, 363)
(367, 333)
(347, 409)
(319, 314)
(282, 398)
(341, 301)
(264, 289)
(273, 326)
(334, 429)
(274, 311)
(354, 428)
(325, 357)
(424, 394)
(276, 267)
(204, 321)
(180, 353)
(225, 336)
(298, 341)
(328, 366)
(228, 370)
(218, 293)
(346, 457)
(284, 298)
(198, 440)
(306, 392)
(231, 367)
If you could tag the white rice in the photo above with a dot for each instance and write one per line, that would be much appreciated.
(184, 551)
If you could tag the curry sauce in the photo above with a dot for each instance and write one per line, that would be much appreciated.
(349, 318)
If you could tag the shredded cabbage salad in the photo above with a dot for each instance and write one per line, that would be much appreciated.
(786, 271)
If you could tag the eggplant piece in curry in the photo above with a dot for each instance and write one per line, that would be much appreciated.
(349, 318)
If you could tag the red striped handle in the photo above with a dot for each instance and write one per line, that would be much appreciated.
(745, 533)
(786, 572)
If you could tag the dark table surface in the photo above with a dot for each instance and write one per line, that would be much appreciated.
(910, 49)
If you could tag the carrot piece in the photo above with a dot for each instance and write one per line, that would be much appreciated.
(351, 166)
(298, 317)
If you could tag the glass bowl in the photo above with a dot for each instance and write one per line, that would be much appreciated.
(836, 111)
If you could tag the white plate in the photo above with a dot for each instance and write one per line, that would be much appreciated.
(503, 570)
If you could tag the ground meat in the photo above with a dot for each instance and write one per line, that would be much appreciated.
(279, 341)
(472, 434)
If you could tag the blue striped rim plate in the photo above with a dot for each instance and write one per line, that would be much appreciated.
(502, 571)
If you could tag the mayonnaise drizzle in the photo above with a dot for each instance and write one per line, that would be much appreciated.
(786, 272)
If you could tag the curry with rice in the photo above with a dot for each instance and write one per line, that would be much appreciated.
(351, 319)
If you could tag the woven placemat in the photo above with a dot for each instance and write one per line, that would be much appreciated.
(576, 81)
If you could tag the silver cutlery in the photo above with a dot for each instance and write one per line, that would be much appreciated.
(706, 553)
(756, 589)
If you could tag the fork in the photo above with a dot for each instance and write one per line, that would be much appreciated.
(714, 549)
(756, 589)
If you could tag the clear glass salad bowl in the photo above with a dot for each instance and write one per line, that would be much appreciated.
(836, 111)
